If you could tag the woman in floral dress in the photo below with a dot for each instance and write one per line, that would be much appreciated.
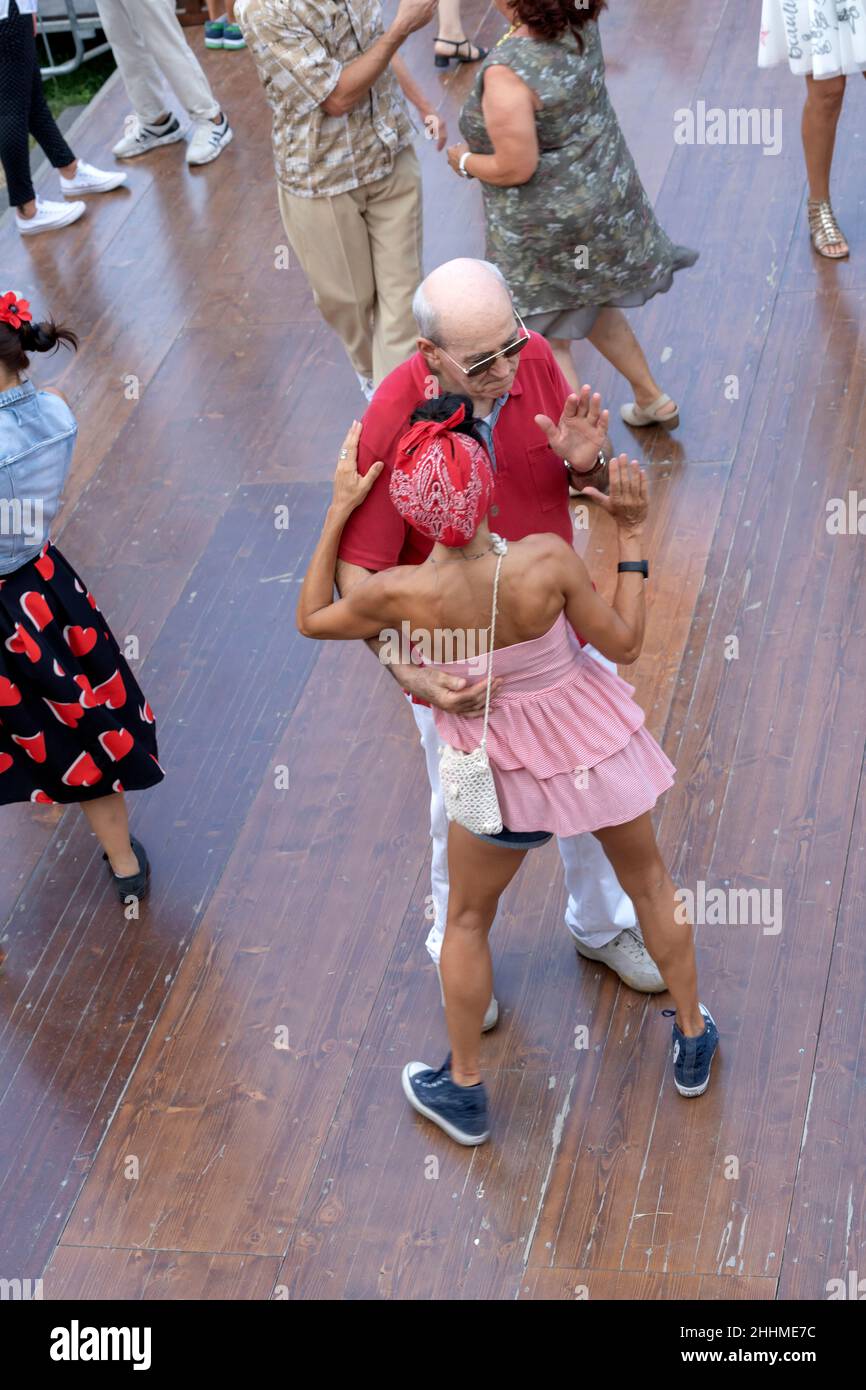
(568, 221)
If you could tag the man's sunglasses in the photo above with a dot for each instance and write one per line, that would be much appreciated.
(478, 367)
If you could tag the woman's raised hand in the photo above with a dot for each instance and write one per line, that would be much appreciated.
(350, 488)
(628, 500)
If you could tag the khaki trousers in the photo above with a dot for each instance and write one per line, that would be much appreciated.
(149, 44)
(361, 252)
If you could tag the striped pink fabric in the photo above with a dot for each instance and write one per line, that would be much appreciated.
(565, 740)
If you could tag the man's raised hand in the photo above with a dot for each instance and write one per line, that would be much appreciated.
(581, 431)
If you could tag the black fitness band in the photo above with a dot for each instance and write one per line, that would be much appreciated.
(634, 567)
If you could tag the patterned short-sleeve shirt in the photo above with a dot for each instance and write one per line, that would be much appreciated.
(300, 49)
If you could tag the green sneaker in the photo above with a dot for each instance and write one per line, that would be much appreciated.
(232, 37)
(214, 33)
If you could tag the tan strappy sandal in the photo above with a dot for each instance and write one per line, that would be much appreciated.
(824, 230)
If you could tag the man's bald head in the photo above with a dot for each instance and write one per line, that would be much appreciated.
(464, 315)
(462, 302)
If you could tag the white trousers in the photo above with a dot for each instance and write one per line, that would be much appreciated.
(149, 44)
(598, 909)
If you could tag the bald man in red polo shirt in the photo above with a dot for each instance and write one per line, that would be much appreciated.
(540, 438)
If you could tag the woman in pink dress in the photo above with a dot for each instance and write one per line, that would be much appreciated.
(565, 742)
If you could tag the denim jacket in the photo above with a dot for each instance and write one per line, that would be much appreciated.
(37, 437)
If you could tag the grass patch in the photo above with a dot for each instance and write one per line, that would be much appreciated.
(73, 88)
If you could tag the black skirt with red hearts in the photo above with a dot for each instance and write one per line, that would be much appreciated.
(74, 724)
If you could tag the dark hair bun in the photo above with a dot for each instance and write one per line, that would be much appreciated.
(442, 408)
(38, 337)
(44, 337)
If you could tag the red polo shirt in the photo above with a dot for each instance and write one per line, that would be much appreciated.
(531, 482)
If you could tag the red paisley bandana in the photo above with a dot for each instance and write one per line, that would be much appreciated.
(442, 483)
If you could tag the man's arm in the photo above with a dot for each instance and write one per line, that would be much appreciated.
(434, 124)
(358, 77)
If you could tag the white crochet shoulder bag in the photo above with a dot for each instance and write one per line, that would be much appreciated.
(467, 778)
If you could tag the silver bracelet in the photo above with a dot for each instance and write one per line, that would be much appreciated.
(462, 165)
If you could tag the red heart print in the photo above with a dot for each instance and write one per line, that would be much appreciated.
(116, 787)
(68, 714)
(37, 609)
(34, 745)
(45, 566)
(91, 600)
(81, 639)
(146, 713)
(116, 743)
(5, 762)
(9, 692)
(87, 699)
(21, 641)
(58, 669)
(111, 692)
(42, 797)
(82, 773)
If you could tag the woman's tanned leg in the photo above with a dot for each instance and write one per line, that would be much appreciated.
(634, 854)
(478, 873)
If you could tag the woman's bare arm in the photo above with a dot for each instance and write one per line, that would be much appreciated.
(616, 631)
(365, 609)
(509, 106)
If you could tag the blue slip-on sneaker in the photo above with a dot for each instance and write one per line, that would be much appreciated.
(693, 1057)
(460, 1110)
(214, 33)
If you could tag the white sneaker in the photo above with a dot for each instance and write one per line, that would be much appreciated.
(140, 138)
(49, 216)
(491, 1018)
(629, 958)
(90, 180)
(366, 385)
(208, 140)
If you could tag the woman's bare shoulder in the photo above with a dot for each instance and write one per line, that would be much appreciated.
(541, 544)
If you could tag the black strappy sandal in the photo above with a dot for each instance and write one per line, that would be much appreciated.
(132, 885)
(442, 59)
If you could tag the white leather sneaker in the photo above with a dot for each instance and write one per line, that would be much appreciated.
(49, 216)
(629, 958)
(491, 1018)
(90, 180)
(208, 140)
(138, 138)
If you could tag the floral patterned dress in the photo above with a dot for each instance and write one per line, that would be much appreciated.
(581, 234)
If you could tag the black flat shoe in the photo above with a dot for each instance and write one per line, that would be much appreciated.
(442, 59)
(132, 885)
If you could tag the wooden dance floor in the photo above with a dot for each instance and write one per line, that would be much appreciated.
(206, 1103)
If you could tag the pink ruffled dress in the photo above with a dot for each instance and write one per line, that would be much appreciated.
(565, 739)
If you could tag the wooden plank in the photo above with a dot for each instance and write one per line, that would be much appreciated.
(826, 1237)
(145, 1275)
(558, 1285)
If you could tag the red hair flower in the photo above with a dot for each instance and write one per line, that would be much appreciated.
(13, 310)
